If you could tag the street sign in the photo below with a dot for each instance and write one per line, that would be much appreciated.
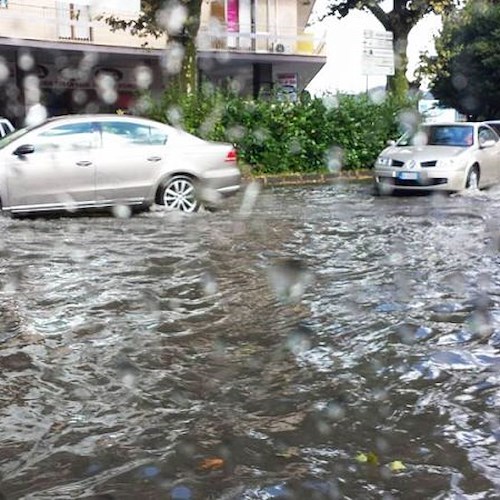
(378, 54)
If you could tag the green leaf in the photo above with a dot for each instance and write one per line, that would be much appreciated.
(397, 466)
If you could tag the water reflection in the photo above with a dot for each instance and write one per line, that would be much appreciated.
(319, 343)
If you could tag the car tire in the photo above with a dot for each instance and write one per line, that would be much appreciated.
(472, 182)
(2, 211)
(179, 193)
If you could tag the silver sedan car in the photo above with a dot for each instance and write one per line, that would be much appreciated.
(441, 156)
(98, 161)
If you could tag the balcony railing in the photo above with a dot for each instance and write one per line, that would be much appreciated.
(25, 19)
(260, 40)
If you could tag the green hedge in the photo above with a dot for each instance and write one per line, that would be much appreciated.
(275, 137)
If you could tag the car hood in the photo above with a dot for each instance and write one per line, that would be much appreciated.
(422, 153)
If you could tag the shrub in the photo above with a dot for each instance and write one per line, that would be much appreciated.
(275, 136)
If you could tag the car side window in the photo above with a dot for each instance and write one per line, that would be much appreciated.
(131, 134)
(71, 137)
(486, 134)
(158, 137)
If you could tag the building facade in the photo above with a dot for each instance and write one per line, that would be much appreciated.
(64, 55)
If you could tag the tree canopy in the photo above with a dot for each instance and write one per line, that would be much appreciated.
(465, 73)
(404, 16)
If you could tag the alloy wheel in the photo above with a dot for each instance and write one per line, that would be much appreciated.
(179, 194)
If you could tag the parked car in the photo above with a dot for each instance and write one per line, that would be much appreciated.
(6, 127)
(97, 161)
(442, 156)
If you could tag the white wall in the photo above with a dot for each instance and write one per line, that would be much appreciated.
(122, 6)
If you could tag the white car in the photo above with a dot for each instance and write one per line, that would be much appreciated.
(97, 161)
(445, 157)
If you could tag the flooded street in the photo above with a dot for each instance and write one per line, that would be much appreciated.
(318, 343)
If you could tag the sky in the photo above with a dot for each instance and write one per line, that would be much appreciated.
(342, 71)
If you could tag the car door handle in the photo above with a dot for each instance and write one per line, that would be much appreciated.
(84, 163)
(154, 158)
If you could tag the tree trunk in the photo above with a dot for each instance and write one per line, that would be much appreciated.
(186, 78)
(398, 83)
(400, 20)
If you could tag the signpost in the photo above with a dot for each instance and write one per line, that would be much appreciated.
(378, 53)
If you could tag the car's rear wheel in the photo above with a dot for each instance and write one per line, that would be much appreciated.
(473, 179)
(179, 193)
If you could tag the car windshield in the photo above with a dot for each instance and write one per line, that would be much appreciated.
(440, 135)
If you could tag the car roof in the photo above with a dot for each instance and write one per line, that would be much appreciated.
(98, 116)
(75, 118)
(452, 124)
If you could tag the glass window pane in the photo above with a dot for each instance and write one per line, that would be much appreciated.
(158, 137)
(77, 136)
(130, 134)
(485, 134)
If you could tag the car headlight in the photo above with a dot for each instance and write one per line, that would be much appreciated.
(448, 163)
(384, 161)
(444, 163)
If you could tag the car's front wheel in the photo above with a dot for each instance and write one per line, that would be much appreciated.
(179, 193)
(473, 179)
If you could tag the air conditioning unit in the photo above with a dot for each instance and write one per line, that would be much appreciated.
(281, 48)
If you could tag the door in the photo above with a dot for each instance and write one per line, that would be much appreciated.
(130, 160)
(59, 173)
(489, 157)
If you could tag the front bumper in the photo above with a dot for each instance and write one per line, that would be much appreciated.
(389, 178)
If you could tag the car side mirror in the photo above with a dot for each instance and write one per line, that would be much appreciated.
(24, 149)
(391, 142)
(487, 143)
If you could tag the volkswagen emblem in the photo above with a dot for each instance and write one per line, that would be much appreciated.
(411, 164)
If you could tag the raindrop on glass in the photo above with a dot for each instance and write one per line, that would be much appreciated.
(249, 198)
(294, 146)
(143, 77)
(209, 283)
(4, 70)
(181, 493)
(289, 279)
(409, 120)
(122, 211)
(299, 341)
(334, 160)
(459, 81)
(25, 61)
(172, 18)
(106, 88)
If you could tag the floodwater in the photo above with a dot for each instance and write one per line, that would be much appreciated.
(299, 343)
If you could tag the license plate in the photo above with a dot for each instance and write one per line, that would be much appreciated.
(408, 176)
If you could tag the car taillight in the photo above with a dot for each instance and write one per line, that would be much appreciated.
(231, 156)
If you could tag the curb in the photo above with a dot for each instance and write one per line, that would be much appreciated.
(304, 179)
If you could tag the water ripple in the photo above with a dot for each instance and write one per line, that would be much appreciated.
(327, 344)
